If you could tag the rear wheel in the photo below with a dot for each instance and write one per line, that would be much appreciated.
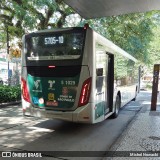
(135, 95)
(117, 107)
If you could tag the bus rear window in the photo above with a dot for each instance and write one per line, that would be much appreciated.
(55, 46)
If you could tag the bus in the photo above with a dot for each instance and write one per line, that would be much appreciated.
(75, 74)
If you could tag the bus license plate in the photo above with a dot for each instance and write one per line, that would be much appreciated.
(52, 103)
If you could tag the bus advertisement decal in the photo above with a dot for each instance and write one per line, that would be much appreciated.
(63, 98)
(59, 92)
(38, 101)
(35, 100)
(51, 84)
(65, 91)
(41, 102)
(99, 109)
(51, 96)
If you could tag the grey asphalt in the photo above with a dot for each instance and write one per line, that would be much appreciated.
(140, 137)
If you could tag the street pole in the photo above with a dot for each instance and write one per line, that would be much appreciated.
(8, 54)
(155, 87)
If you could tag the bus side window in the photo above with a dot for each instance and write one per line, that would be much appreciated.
(99, 79)
(99, 72)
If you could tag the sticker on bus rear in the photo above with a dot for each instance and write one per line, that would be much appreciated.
(59, 93)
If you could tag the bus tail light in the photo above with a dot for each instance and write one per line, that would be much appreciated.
(85, 92)
(51, 66)
(25, 92)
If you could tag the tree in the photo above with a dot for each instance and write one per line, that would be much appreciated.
(23, 16)
(132, 32)
(154, 50)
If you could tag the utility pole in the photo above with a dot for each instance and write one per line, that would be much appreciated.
(155, 87)
(8, 53)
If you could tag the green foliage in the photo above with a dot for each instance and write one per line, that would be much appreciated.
(154, 50)
(9, 93)
(23, 16)
(132, 32)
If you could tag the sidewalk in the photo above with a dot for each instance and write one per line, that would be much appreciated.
(142, 135)
(2, 105)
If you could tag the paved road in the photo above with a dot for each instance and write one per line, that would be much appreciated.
(34, 134)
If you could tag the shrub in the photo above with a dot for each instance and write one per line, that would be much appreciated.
(10, 93)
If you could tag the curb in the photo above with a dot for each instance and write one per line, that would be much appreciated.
(9, 104)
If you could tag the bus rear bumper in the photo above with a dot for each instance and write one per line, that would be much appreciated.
(80, 115)
(42, 113)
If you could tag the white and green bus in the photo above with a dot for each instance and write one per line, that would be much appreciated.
(75, 74)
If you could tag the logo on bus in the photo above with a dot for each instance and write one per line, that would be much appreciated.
(41, 101)
(51, 96)
(37, 86)
(35, 100)
(65, 91)
(51, 83)
(36, 83)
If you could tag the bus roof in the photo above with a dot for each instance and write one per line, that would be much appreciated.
(54, 30)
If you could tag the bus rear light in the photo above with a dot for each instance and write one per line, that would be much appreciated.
(51, 66)
(25, 92)
(85, 92)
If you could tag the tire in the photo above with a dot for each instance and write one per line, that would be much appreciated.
(134, 99)
(135, 95)
(117, 107)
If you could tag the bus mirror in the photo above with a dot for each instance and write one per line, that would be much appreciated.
(99, 71)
